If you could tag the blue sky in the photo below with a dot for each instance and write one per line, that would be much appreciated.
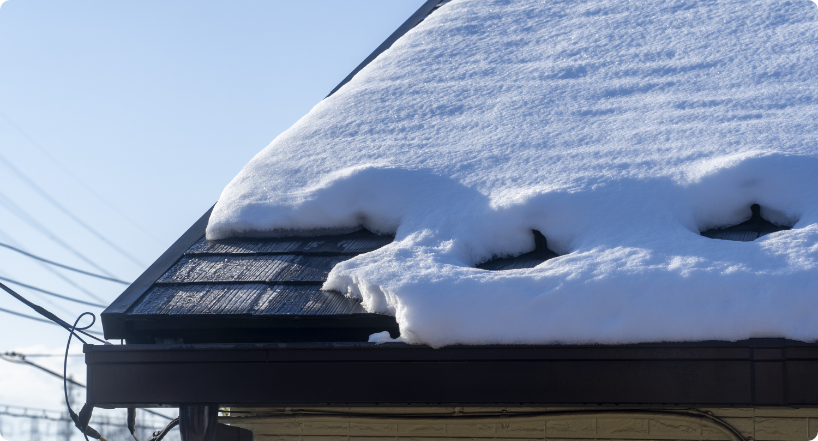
(135, 115)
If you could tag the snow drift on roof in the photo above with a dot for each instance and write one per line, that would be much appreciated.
(619, 129)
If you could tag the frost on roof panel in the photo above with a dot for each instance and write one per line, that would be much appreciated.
(245, 299)
(358, 242)
(306, 300)
(257, 268)
(201, 299)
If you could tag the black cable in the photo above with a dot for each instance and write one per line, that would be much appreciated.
(70, 268)
(47, 314)
(8, 311)
(157, 436)
(51, 293)
(84, 417)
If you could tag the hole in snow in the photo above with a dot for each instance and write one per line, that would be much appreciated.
(747, 231)
(540, 254)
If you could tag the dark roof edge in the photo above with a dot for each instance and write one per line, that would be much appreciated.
(413, 21)
(113, 316)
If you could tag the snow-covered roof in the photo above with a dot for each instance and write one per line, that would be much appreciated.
(618, 129)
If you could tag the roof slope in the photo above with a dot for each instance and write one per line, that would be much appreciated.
(246, 290)
(620, 130)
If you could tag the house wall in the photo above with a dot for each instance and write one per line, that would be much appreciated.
(759, 424)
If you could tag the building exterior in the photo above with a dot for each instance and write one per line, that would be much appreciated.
(241, 325)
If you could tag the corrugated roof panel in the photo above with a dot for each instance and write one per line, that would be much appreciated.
(258, 268)
(737, 235)
(359, 242)
(200, 299)
(306, 300)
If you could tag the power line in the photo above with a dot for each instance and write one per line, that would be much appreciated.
(31, 221)
(49, 315)
(51, 262)
(51, 302)
(66, 211)
(49, 355)
(60, 275)
(48, 414)
(13, 357)
(19, 314)
(19, 358)
(78, 180)
(50, 293)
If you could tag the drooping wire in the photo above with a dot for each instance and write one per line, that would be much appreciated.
(47, 314)
(78, 180)
(53, 294)
(32, 222)
(45, 195)
(84, 417)
(70, 268)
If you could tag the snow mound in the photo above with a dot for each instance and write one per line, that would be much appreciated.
(619, 129)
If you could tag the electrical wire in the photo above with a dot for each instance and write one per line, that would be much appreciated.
(13, 357)
(55, 303)
(44, 355)
(48, 314)
(78, 180)
(32, 222)
(18, 314)
(45, 195)
(60, 296)
(157, 436)
(18, 358)
(8, 311)
(84, 417)
(70, 268)
(51, 270)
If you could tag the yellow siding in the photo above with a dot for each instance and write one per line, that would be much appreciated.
(758, 424)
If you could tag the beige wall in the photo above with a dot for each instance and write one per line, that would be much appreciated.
(760, 424)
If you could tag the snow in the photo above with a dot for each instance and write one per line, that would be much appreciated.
(619, 129)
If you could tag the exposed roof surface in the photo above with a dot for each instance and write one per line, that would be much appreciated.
(246, 290)
(747, 231)
(261, 290)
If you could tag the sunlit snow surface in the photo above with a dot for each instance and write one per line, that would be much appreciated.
(619, 129)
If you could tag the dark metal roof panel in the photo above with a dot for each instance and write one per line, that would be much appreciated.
(359, 242)
(245, 299)
(254, 268)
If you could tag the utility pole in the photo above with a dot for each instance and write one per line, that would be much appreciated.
(34, 432)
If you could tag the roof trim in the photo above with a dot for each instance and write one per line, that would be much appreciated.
(410, 23)
(755, 372)
(113, 318)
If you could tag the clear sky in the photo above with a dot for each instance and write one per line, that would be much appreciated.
(132, 117)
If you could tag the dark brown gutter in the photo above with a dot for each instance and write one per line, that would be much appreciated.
(758, 372)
